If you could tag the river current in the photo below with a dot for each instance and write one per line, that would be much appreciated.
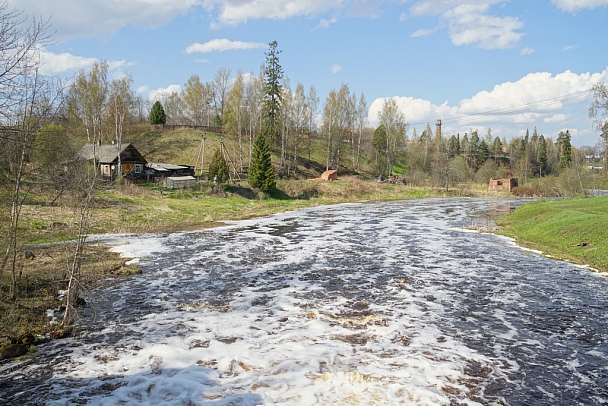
(359, 304)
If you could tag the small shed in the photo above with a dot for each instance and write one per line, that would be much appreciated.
(179, 182)
(163, 170)
(502, 184)
(331, 174)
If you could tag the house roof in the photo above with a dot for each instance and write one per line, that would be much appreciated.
(162, 167)
(103, 153)
(181, 178)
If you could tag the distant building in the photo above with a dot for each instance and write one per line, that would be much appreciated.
(502, 184)
(106, 157)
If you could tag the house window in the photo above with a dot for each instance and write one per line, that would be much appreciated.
(106, 169)
(137, 168)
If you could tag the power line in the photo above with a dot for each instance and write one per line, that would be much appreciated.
(523, 108)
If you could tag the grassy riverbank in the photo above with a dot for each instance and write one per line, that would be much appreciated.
(575, 229)
(149, 209)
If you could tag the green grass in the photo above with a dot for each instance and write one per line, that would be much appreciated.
(575, 229)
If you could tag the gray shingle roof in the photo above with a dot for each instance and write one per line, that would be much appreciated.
(103, 153)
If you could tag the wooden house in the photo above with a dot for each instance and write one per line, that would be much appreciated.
(106, 157)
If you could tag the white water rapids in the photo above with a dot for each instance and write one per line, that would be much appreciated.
(362, 304)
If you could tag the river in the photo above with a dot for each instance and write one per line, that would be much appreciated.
(357, 304)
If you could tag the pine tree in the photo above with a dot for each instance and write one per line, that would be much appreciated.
(261, 173)
(157, 114)
(218, 168)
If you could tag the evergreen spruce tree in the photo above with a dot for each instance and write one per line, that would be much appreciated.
(218, 168)
(379, 140)
(273, 90)
(542, 155)
(565, 158)
(261, 173)
(454, 146)
(157, 114)
(482, 152)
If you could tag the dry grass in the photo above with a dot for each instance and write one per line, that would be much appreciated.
(39, 281)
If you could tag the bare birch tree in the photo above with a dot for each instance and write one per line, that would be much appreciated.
(220, 88)
(121, 103)
(394, 122)
(21, 97)
(361, 122)
(299, 109)
(312, 104)
(234, 113)
(254, 99)
(196, 97)
(89, 96)
(598, 111)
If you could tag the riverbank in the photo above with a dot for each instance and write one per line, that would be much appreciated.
(35, 315)
(333, 303)
(574, 230)
(136, 209)
(150, 209)
(47, 229)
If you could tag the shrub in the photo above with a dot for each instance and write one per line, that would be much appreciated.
(525, 191)
(218, 168)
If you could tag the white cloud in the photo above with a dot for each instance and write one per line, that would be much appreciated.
(559, 118)
(161, 94)
(220, 45)
(65, 63)
(335, 68)
(142, 89)
(239, 11)
(76, 18)
(326, 23)
(470, 23)
(569, 48)
(540, 98)
(527, 51)
(55, 64)
(575, 5)
(422, 33)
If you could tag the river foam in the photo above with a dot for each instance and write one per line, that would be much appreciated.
(359, 304)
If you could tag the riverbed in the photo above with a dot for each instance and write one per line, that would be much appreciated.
(355, 304)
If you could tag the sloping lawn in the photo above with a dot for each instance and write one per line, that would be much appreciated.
(575, 229)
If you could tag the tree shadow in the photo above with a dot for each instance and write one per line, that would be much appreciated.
(280, 195)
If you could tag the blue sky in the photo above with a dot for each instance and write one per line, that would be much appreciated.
(529, 63)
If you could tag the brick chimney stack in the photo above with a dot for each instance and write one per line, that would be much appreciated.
(438, 131)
